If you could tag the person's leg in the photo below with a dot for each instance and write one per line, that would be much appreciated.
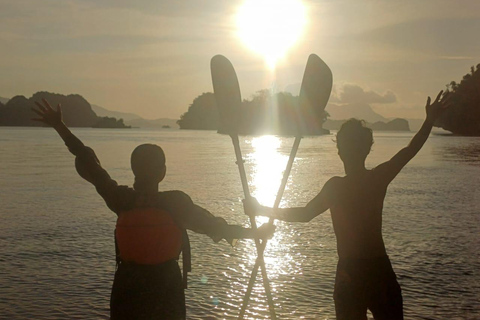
(148, 293)
(121, 296)
(349, 297)
(170, 302)
(388, 302)
(350, 310)
(385, 300)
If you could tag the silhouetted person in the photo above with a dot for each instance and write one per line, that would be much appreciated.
(365, 278)
(150, 231)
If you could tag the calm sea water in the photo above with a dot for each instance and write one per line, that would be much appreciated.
(56, 234)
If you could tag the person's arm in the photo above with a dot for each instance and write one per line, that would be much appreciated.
(315, 207)
(387, 171)
(86, 162)
(195, 218)
(202, 221)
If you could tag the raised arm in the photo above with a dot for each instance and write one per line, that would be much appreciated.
(387, 171)
(315, 207)
(86, 162)
(55, 120)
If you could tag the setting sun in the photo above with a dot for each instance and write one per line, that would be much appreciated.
(271, 27)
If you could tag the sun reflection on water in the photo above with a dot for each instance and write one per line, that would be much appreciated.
(268, 168)
(266, 163)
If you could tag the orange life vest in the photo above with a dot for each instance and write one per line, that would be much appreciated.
(147, 236)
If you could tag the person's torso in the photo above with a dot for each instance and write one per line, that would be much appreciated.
(357, 216)
(148, 233)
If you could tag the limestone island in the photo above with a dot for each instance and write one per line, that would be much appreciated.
(77, 112)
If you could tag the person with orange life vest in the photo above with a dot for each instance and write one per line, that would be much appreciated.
(151, 228)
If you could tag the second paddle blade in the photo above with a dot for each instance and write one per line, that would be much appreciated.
(314, 94)
(227, 94)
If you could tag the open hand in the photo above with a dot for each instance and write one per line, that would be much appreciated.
(47, 114)
(266, 230)
(442, 102)
(251, 206)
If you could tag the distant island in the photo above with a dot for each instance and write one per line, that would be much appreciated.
(397, 124)
(77, 112)
(256, 119)
(282, 116)
(463, 117)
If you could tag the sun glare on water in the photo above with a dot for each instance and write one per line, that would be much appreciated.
(271, 27)
(268, 170)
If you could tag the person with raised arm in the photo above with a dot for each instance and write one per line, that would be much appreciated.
(365, 278)
(151, 228)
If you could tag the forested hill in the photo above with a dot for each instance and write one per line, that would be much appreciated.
(463, 117)
(257, 117)
(265, 113)
(77, 112)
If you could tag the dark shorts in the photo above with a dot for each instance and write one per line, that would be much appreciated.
(363, 284)
(148, 292)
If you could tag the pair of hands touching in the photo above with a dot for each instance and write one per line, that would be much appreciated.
(252, 209)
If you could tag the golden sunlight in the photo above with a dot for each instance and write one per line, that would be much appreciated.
(271, 27)
(269, 167)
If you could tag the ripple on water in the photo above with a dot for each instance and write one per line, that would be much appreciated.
(56, 235)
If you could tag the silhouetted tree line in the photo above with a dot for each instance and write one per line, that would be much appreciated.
(202, 114)
(77, 112)
(463, 117)
(265, 113)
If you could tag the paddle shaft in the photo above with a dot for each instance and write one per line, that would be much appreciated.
(260, 249)
(258, 244)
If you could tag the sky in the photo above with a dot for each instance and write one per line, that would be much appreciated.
(152, 58)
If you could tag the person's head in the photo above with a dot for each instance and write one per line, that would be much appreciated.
(354, 141)
(148, 166)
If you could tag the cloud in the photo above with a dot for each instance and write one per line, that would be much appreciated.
(351, 93)
(352, 101)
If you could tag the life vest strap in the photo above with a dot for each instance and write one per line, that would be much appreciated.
(186, 258)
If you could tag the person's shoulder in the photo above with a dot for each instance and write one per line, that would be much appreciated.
(333, 184)
(175, 196)
(377, 172)
(334, 181)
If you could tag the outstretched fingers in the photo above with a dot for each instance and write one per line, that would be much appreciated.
(38, 112)
(438, 96)
(39, 105)
(45, 102)
(447, 97)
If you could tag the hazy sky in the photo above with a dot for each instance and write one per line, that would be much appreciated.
(153, 57)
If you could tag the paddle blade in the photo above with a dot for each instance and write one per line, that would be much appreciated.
(314, 94)
(227, 94)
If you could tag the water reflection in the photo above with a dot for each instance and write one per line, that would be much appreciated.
(266, 171)
(457, 152)
(268, 167)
